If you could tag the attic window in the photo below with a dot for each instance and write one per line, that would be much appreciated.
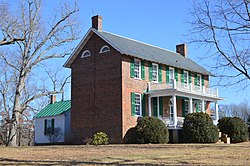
(85, 54)
(104, 49)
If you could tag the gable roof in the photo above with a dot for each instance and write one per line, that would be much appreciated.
(141, 50)
(54, 109)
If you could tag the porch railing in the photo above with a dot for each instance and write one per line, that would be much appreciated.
(170, 122)
(187, 87)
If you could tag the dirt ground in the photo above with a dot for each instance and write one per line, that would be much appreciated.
(168, 154)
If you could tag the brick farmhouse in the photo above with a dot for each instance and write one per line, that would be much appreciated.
(117, 80)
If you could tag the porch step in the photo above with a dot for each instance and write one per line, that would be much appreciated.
(223, 138)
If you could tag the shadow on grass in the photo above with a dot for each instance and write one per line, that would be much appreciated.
(8, 161)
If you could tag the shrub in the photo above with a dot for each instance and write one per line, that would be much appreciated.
(151, 130)
(199, 128)
(235, 128)
(100, 139)
(131, 136)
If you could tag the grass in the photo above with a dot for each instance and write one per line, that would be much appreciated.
(168, 154)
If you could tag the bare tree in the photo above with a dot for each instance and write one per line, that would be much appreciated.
(44, 39)
(223, 27)
(241, 110)
(9, 29)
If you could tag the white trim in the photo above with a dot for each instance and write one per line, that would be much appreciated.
(200, 80)
(140, 113)
(85, 52)
(171, 68)
(186, 85)
(157, 72)
(104, 47)
(138, 60)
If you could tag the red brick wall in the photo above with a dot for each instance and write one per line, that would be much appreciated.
(96, 93)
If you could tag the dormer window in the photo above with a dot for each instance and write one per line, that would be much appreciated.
(85, 54)
(104, 49)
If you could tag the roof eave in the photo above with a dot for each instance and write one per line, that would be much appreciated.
(77, 49)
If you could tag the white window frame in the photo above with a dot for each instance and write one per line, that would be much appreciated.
(102, 50)
(140, 105)
(157, 72)
(85, 54)
(139, 72)
(185, 80)
(199, 82)
(171, 69)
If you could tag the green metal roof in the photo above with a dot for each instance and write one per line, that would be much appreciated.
(54, 109)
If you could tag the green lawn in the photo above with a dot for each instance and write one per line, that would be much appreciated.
(169, 154)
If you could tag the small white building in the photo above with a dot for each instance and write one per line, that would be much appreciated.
(52, 124)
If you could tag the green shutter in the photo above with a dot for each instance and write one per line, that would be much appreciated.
(160, 73)
(176, 74)
(132, 103)
(182, 76)
(52, 126)
(167, 75)
(142, 70)
(203, 83)
(161, 105)
(183, 108)
(195, 80)
(132, 68)
(155, 106)
(45, 127)
(190, 77)
(143, 105)
(150, 71)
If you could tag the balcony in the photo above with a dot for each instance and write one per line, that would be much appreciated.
(184, 87)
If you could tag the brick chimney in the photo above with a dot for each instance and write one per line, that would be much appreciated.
(52, 99)
(97, 22)
(182, 49)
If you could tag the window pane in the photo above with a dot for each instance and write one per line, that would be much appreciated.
(155, 72)
(137, 104)
(137, 68)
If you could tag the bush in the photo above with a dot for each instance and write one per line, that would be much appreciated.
(100, 139)
(199, 128)
(235, 128)
(131, 136)
(151, 130)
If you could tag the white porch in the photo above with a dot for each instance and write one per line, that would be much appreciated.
(195, 99)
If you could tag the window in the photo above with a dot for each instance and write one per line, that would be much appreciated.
(49, 126)
(85, 54)
(137, 69)
(199, 81)
(198, 106)
(155, 72)
(138, 104)
(104, 49)
(171, 74)
(185, 79)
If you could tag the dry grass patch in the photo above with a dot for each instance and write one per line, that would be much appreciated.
(169, 154)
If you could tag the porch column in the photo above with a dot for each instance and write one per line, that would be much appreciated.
(190, 105)
(149, 105)
(216, 111)
(158, 107)
(203, 106)
(175, 110)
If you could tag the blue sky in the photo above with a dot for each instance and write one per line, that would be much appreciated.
(162, 23)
